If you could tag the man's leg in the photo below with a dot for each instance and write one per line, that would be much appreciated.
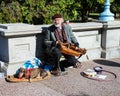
(56, 55)
(58, 69)
(72, 61)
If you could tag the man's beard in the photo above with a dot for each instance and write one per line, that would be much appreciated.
(57, 25)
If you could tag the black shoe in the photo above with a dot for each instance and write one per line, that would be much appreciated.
(77, 65)
(57, 72)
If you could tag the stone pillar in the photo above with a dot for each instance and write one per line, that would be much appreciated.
(110, 40)
(17, 44)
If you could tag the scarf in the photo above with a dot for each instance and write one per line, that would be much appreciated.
(60, 35)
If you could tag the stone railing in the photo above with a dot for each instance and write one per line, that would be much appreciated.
(20, 42)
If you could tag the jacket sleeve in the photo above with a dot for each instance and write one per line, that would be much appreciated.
(72, 37)
(47, 39)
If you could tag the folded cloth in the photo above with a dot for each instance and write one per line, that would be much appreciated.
(29, 65)
(33, 63)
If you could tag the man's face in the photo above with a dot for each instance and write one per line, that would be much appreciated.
(58, 21)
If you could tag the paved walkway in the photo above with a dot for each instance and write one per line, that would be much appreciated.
(72, 84)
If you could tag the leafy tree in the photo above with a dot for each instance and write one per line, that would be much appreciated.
(86, 7)
(10, 13)
(115, 7)
(28, 10)
(41, 11)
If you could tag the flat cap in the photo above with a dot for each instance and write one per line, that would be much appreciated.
(56, 16)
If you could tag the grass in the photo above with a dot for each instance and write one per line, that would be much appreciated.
(94, 15)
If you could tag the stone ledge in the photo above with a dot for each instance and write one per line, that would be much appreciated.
(17, 29)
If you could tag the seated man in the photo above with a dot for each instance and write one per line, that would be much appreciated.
(60, 32)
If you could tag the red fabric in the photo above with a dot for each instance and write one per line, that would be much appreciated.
(27, 75)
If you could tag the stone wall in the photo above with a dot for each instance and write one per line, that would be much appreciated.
(17, 44)
(110, 41)
(20, 42)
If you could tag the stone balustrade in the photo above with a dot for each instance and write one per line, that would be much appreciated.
(20, 42)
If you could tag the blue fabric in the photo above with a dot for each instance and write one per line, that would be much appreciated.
(34, 63)
(47, 67)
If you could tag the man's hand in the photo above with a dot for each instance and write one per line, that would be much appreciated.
(76, 48)
(57, 42)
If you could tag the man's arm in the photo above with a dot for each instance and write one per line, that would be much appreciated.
(47, 40)
(73, 38)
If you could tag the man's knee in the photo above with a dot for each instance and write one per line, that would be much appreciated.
(57, 52)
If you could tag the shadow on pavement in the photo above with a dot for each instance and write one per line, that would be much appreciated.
(81, 94)
(107, 63)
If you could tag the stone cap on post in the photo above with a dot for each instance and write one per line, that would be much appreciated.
(18, 29)
(77, 27)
